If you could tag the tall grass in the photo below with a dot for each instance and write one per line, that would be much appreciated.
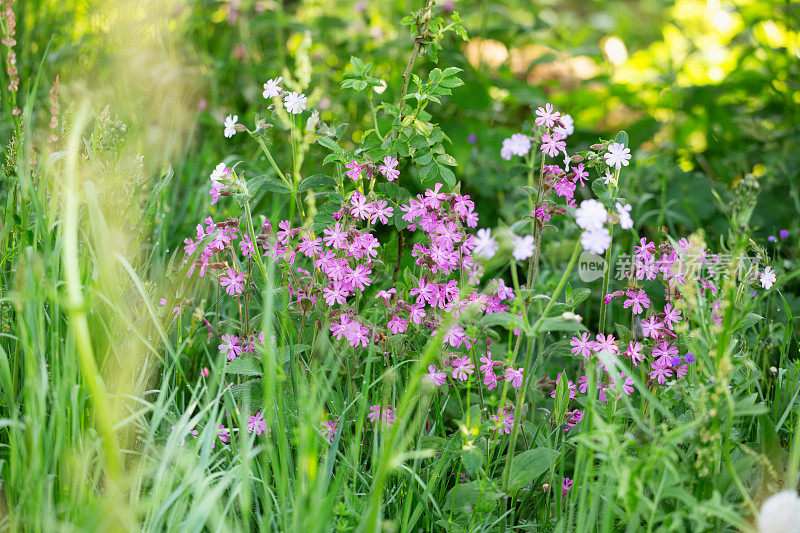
(107, 425)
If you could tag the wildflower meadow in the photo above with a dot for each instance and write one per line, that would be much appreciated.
(402, 265)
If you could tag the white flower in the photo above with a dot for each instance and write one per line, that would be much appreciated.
(567, 161)
(295, 103)
(313, 120)
(230, 125)
(505, 151)
(618, 155)
(625, 220)
(523, 247)
(569, 126)
(272, 88)
(485, 245)
(608, 178)
(780, 513)
(220, 172)
(596, 241)
(768, 278)
(591, 215)
(518, 144)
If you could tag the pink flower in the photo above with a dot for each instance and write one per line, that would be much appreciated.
(328, 429)
(216, 188)
(388, 416)
(354, 171)
(566, 486)
(671, 316)
(224, 434)
(660, 373)
(552, 144)
(233, 282)
(462, 367)
(381, 213)
(638, 300)
(204, 372)
(490, 379)
(246, 246)
(581, 345)
(651, 327)
(606, 342)
(546, 116)
(514, 377)
(634, 352)
(456, 336)
(664, 352)
(488, 364)
(573, 417)
(580, 174)
(230, 346)
(504, 422)
(360, 207)
(310, 248)
(335, 237)
(257, 424)
(398, 325)
(335, 293)
(437, 378)
(389, 168)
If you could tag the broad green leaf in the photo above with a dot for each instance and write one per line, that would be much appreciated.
(528, 465)
(317, 181)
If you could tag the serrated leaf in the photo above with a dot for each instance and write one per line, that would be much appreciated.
(446, 159)
(329, 143)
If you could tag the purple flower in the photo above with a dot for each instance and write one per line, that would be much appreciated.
(690, 358)
(675, 361)
(771, 238)
(784, 234)
(472, 138)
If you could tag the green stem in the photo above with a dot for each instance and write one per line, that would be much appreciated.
(528, 360)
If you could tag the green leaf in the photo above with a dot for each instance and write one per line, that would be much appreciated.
(330, 144)
(507, 320)
(472, 458)
(578, 295)
(530, 464)
(317, 181)
(446, 159)
(151, 207)
(748, 321)
(244, 365)
(599, 187)
(268, 183)
(249, 393)
(622, 138)
(557, 323)
(466, 496)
